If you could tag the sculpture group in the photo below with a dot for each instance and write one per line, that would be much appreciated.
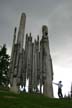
(32, 62)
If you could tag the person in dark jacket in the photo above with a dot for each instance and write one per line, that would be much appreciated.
(59, 89)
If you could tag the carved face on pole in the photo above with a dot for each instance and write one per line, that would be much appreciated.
(44, 30)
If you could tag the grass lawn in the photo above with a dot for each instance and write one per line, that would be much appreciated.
(26, 100)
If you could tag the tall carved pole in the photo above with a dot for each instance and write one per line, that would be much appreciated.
(12, 58)
(36, 71)
(34, 67)
(29, 62)
(20, 41)
(26, 54)
(17, 70)
(46, 64)
(38, 60)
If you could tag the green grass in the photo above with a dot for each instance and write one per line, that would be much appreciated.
(26, 100)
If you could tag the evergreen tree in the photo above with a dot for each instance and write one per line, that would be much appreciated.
(4, 65)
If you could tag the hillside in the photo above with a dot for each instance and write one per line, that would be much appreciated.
(26, 100)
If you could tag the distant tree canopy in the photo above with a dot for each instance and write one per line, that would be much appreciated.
(4, 65)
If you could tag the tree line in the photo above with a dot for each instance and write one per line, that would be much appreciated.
(4, 66)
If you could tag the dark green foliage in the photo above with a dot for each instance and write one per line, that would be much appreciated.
(4, 65)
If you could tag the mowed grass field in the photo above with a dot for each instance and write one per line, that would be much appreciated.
(26, 100)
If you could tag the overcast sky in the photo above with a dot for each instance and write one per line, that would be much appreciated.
(57, 15)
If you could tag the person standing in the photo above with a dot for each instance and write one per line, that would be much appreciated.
(60, 95)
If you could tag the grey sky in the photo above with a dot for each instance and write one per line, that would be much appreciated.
(56, 14)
